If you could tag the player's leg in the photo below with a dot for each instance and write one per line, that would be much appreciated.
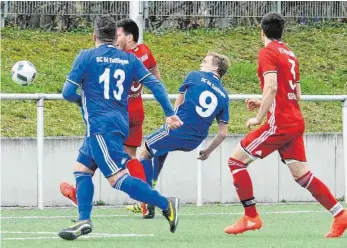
(83, 171)
(69, 190)
(294, 156)
(133, 141)
(158, 163)
(108, 153)
(254, 145)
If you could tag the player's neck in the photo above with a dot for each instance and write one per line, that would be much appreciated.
(100, 43)
(267, 41)
(131, 46)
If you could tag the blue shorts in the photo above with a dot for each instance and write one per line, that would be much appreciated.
(163, 141)
(104, 151)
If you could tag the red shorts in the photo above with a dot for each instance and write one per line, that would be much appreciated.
(288, 141)
(135, 129)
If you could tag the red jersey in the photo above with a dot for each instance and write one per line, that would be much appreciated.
(285, 110)
(145, 55)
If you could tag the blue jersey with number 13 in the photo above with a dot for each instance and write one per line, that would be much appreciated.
(105, 75)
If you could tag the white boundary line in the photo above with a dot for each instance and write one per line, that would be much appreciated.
(197, 214)
(95, 235)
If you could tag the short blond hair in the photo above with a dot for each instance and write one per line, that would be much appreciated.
(221, 61)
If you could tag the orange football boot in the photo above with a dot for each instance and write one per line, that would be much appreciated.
(245, 223)
(339, 226)
(69, 191)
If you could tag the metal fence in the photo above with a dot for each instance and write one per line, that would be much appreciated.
(225, 9)
(219, 13)
(40, 98)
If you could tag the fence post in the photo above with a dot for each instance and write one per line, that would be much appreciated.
(279, 7)
(40, 137)
(136, 14)
(199, 177)
(3, 14)
(344, 135)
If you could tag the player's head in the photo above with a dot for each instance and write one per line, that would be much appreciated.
(127, 33)
(272, 25)
(105, 30)
(216, 63)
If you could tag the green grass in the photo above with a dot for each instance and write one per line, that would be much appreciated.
(322, 52)
(200, 227)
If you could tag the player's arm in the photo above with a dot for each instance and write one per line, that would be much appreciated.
(155, 71)
(142, 75)
(179, 100)
(74, 79)
(298, 91)
(218, 139)
(269, 94)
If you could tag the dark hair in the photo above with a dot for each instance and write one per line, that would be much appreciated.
(130, 27)
(272, 25)
(105, 29)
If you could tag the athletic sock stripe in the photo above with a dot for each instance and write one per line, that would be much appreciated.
(120, 181)
(336, 209)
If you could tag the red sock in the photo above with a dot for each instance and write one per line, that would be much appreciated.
(321, 192)
(136, 169)
(243, 185)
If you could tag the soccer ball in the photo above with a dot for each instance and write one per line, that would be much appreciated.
(23, 73)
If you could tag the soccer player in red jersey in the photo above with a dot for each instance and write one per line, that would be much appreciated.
(127, 38)
(278, 70)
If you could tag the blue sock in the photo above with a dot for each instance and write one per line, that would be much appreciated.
(158, 163)
(84, 193)
(141, 191)
(148, 168)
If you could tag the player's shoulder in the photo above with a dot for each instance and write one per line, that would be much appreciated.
(144, 48)
(194, 74)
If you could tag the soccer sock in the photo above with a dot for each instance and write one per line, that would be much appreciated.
(321, 192)
(243, 185)
(135, 169)
(148, 168)
(141, 191)
(84, 193)
(158, 163)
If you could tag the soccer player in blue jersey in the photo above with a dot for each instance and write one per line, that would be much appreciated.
(202, 99)
(105, 75)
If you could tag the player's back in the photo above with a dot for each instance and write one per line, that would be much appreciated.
(205, 100)
(108, 76)
(285, 111)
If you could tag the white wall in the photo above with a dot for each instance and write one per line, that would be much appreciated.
(272, 181)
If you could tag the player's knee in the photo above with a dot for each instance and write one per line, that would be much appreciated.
(82, 168)
(297, 168)
(144, 153)
(131, 151)
(241, 155)
(114, 178)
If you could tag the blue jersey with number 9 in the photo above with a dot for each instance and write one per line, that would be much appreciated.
(205, 100)
(105, 75)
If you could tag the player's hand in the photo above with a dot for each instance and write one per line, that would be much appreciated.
(204, 154)
(252, 122)
(173, 122)
(253, 103)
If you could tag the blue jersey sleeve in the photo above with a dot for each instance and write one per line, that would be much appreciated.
(223, 115)
(76, 74)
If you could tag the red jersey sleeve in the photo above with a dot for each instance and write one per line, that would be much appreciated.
(152, 62)
(267, 61)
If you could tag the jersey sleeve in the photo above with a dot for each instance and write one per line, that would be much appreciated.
(152, 62)
(223, 116)
(76, 73)
(185, 83)
(267, 61)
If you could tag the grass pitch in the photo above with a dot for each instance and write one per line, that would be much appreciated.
(299, 225)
